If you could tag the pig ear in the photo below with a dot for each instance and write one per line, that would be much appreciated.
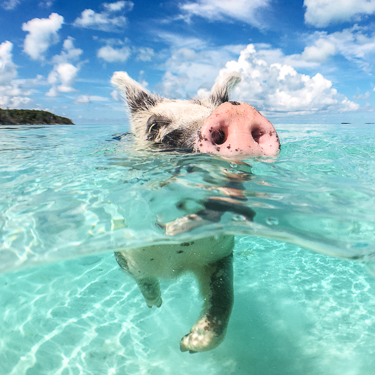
(138, 98)
(223, 86)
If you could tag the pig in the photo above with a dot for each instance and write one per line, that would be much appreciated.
(212, 124)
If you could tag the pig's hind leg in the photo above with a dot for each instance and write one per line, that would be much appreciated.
(216, 287)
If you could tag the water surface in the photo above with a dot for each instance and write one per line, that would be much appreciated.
(69, 196)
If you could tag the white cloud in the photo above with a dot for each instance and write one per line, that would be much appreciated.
(14, 93)
(220, 10)
(42, 34)
(86, 99)
(145, 54)
(110, 54)
(46, 3)
(8, 70)
(62, 78)
(319, 52)
(119, 5)
(106, 20)
(321, 13)
(116, 96)
(189, 68)
(279, 88)
(64, 73)
(10, 4)
(179, 41)
(355, 44)
(68, 53)
(364, 96)
(10, 101)
(275, 55)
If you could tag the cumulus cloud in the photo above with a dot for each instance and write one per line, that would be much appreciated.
(68, 53)
(62, 78)
(355, 44)
(279, 88)
(321, 13)
(110, 54)
(189, 68)
(10, 99)
(64, 73)
(219, 10)
(319, 52)
(42, 32)
(105, 20)
(14, 93)
(8, 69)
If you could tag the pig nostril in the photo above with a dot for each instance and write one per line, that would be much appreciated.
(257, 134)
(218, 137)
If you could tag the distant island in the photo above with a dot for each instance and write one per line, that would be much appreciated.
(31, 117)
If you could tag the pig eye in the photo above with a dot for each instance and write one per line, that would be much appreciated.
(218, 137)
(154, 124)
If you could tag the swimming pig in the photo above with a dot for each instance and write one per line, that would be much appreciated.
(208, 125)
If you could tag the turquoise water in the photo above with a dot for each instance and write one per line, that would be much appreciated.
(69, 196)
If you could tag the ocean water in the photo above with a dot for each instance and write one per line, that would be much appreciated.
(304, 301)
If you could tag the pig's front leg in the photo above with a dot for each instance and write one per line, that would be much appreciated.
(150, 288)
(216, 287)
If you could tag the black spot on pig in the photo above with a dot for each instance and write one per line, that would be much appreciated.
(175, 138)
(235, 103)
(142, 101)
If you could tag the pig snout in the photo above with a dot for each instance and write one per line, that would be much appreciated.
(235, 129)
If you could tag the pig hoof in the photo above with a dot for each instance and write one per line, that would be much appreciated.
(200, 341)
(157, 302)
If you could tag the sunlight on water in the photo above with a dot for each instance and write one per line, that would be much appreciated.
(79, 192)
(295, 312)
(67, 192)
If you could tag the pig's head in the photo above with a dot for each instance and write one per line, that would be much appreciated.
(210, 125)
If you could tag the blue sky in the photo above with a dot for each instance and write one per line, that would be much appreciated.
(301, 61)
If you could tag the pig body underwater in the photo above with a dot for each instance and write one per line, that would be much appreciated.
(208, 125)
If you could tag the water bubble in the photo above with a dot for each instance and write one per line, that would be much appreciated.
(238, 218)
(272, 221)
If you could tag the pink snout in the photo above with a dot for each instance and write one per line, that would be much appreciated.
(235, 129)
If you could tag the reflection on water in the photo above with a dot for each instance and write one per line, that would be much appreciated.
(67, 192)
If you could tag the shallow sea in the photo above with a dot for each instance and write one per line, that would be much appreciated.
(304, 301)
